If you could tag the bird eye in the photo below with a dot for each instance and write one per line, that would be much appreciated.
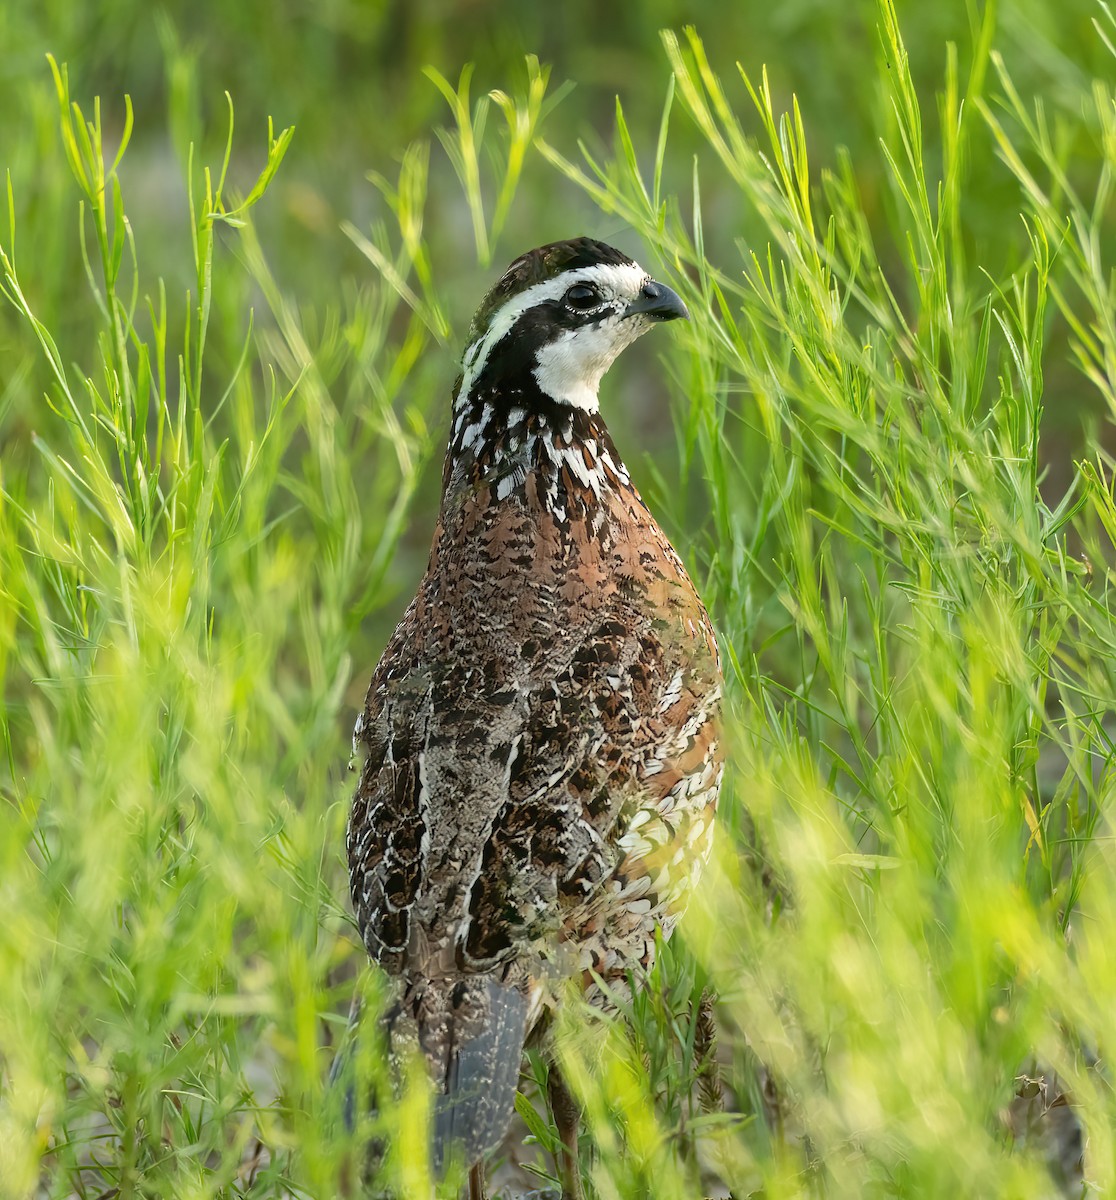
(582, 296)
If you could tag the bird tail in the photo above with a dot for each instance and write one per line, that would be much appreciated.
(471, 1033)
(474, 1054)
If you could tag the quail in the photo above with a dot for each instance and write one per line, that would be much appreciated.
(539, 750)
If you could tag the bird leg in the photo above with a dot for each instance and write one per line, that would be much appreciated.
(567, 1117)
(477, 1190)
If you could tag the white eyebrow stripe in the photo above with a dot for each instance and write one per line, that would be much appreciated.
(614, 279)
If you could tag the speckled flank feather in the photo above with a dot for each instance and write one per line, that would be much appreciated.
(540, 742)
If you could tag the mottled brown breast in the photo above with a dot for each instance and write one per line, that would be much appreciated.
(542, 742)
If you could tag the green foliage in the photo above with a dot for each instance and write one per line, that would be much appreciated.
(168, 692)
(205, 492)
(920, 636)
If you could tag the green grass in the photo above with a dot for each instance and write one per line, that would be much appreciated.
(213, 504)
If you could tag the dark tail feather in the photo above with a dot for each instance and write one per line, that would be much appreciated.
(482, 1059)
(471, 1032)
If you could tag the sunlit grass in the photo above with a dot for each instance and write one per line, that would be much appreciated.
(913, 900)
(921, 640)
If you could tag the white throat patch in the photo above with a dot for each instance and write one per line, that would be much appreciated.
(569, 369)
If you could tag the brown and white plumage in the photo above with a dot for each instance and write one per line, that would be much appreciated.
(540, 740)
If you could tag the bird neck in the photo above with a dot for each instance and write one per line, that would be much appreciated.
(549, 453)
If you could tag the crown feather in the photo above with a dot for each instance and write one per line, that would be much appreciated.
(541, 264)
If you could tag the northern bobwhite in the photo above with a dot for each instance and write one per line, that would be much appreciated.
(540, 738)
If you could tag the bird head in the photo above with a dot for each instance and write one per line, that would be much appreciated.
(555, 322)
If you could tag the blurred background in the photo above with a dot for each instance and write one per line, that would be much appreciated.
(189, 616)
(349, 76)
